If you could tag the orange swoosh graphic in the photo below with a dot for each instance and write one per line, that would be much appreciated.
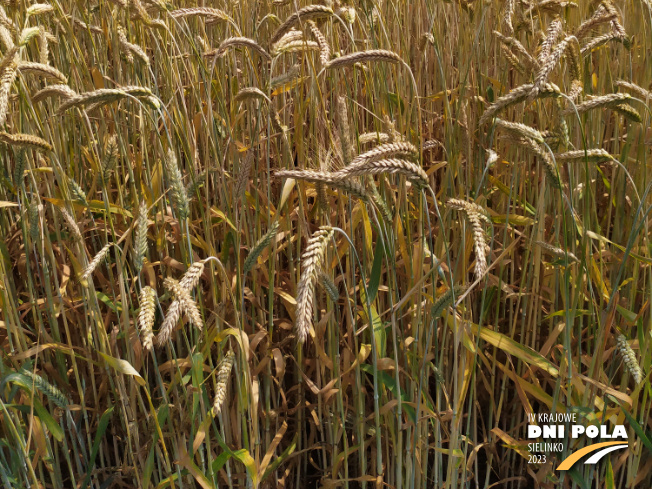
(574, 457)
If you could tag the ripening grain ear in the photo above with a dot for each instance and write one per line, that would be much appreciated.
(96, 261)
(475, 214)
(178, 190)
(146, 316)
(187, 304)
(629, 358)
(311, 261)
(223, 373)
(311, 12)
(363, 57)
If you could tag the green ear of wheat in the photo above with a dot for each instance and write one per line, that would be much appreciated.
(259, 247)
(445, 300)
(140, 242)
(178, 190)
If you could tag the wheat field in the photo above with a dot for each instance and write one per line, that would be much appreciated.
(259, 244)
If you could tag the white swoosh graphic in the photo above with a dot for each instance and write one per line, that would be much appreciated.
(601, 453)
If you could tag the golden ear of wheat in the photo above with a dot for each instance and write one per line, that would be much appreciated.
(191, 278)
(550, 63)
(296, 47)
(169, 322)
(609, 100)
(25, 141)
(413, 172)
(251, 93)
(223, 373)
(95, 262)
(556, 251)
(374, 137)
(146, 316)
(243, 175)
(425, 39)
(324, 48)
(365, 56)
(388, 150)
(513, 60)
(111, 157)
(72, 224)
(63, 91)
(520, 130)
(186, 302)
(508, 15)
(513, 45)
(6, 81)
(517, 95)
(290, 36)
(598, 41)
(44, 53)
(600, 16)
(131, 49)
(45, 70)
(338, 181)
(639, 91)
(475, 214)
(595, 155)
(629, 358)
(549, 165)
(199, 12)
(311, 12)
(311, 261)
(239, 41)
(553, 32)
(103, 96)
(342, 119)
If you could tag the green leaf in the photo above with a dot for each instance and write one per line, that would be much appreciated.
(186, 462)
(390, 382)
(396, 101)
(281, 458)
(124, 367)
(101, 429)
(47, 419)
(628, 315)
(245, 457)
(219, 462)
(149, 466)
(609, 482)
(525, 353)
(637, 428)
(376, 269)
(578, 477)
(117, 308)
